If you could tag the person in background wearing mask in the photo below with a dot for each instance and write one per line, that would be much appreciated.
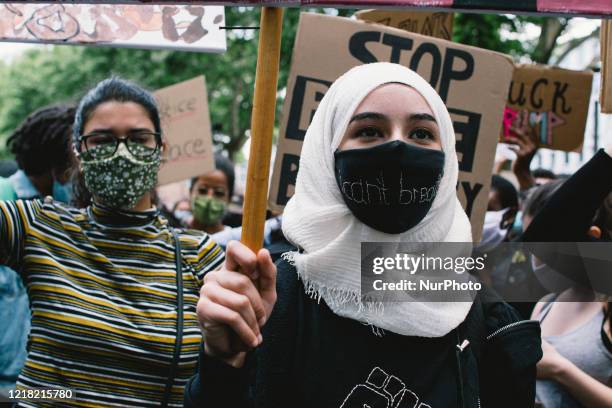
(211, 193)
(383, 126)
(501, 210)
(113, 289)
(508, 270)
(41, 147)
(576, 369)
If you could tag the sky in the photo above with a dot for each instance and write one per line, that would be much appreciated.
(9, 51)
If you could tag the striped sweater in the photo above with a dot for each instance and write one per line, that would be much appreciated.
(102, 288)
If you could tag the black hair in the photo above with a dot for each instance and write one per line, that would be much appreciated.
(113, 89)
(538, 197)
(543, 173)
(41, 142)
(226, 166)
(508, 196)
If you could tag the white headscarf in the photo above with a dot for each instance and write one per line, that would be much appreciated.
(317, 220)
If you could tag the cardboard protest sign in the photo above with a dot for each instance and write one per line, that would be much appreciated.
(473, 83)
(565, 8)
(605, 96)
(186, 126)
(434, 24)
(552, 101)
(174, 195)
(185, 27)
(575, 6)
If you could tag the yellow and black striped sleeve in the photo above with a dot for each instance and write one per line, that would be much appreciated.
(210, 257)
(202, 253)
(14, 225)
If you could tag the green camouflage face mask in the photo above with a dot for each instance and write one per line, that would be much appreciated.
(207, 210)
(121, 180)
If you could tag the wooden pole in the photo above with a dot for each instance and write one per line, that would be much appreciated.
(605, 97)
(262, 126)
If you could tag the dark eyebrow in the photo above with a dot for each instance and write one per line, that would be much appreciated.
(368, 115)
(104, 131)
(108, 131)
(139, 130)
(421, 116)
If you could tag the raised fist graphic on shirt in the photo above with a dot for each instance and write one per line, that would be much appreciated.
(382, 390)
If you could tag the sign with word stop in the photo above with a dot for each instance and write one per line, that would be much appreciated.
(471, 81)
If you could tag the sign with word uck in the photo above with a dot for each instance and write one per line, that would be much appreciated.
(551, 102)
(472, 82)
(186, 126)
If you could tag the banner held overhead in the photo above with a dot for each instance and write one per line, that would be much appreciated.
(594, 8)
(567, 8)
(184, 27)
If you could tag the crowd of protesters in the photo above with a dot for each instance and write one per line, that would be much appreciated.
(105, 291)
(574, 310)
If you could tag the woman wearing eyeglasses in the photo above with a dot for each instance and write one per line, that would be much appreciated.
(113, 289)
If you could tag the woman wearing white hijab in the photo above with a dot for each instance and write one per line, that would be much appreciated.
(383, 127)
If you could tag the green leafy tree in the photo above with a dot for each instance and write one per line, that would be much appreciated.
(64, 73)
(486, 31)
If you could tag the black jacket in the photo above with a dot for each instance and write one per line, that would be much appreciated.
(311, 357)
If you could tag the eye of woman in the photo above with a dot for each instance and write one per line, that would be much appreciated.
(96, 139)
(368, 132)
(422, 135)
(216, 191)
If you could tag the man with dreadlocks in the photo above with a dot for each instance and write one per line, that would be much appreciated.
(41, 149)
(40, 146)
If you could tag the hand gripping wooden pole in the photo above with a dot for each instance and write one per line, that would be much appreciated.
(262, 126)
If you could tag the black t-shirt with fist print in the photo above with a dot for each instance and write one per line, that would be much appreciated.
(311, 357)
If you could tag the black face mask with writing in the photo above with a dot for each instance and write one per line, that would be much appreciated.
(389, 187)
